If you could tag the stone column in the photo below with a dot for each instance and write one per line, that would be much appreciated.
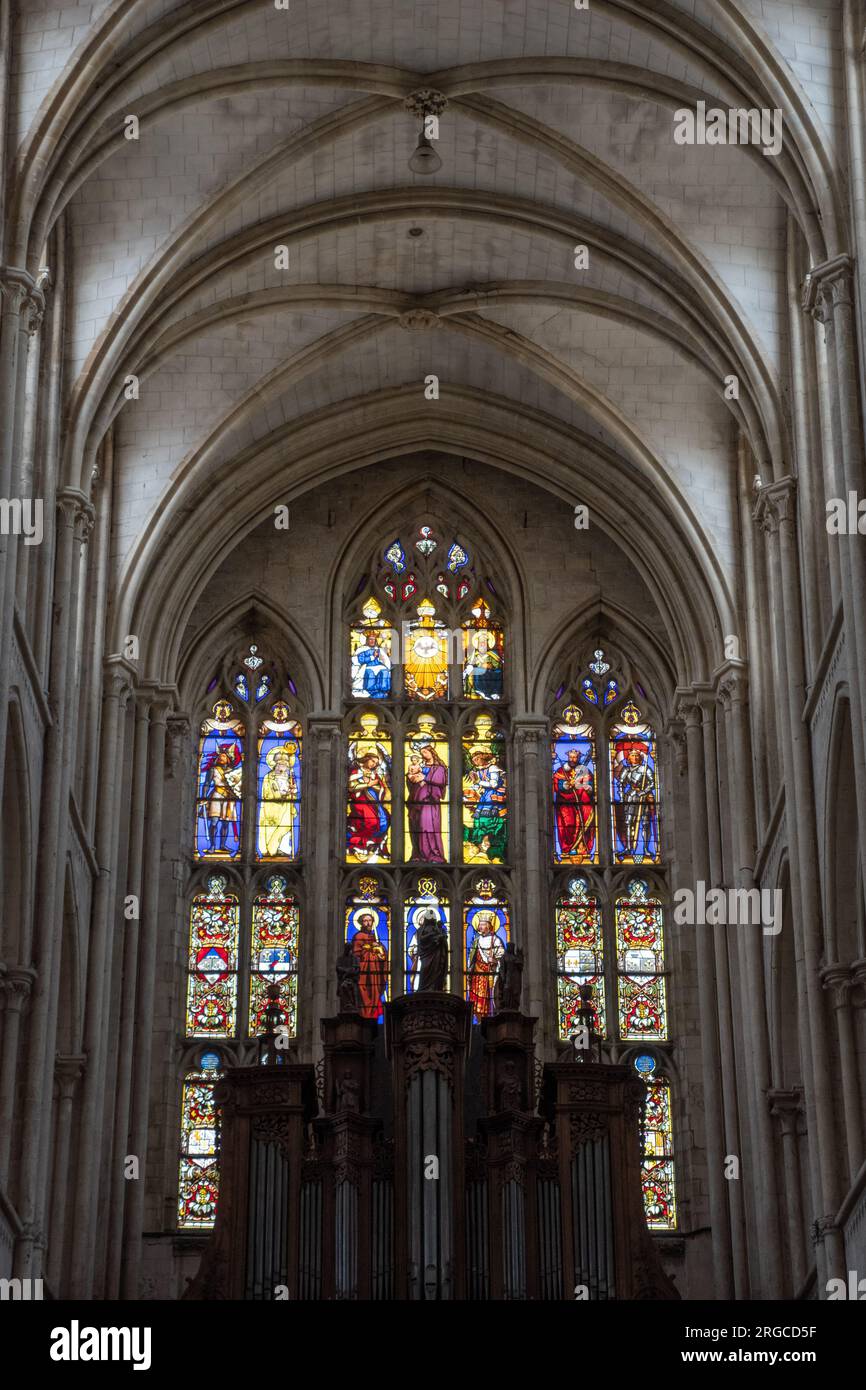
(322, 932)
(786, 1107)
(732, 688)
(75, 519)
(839, 979)
(775, 514)
(129, 927)
(68, 1072)
(16, 986)
(530, 735)
(690, 712)
(102, 926)
(149, 938)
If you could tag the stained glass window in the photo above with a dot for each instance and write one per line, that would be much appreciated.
(220, 785)
(279, 785)
(640, 963)
(657, 1179)
(274, 956)
(368, 817)
(485, 793)
(211, 1002)
(486, 933)
(579, 957)
(371, 645)
(368, 930)
(425, 660)
(483, 655)
(634, 790)
(426, 802)
(198, 1187)
(574, 790)
(427, 905)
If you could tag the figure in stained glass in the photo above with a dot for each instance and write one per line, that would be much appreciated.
(279, 778)
(368, 821)
(220, 781)
(483, 656)
(427, 792)
(574, 795)
(485, 794)
(371, 655)
(426, 656)
(634, 790)
(368, 934)
(486, 931)
(417, 910)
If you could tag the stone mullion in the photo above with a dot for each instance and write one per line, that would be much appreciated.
(148, 955)
(724, 1002)
(68, 1071)
(774, 507)
(99, 978)
(528, 733)
(710, 1051)
(76, 516)
(751, 965)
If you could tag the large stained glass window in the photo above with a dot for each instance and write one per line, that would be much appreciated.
(657, 1142)
(575, 819)
(220, 784)
(274, 956)
(368, 813)
(198, 1187)
(211, 1001)
(579, 957)
(486, 933)
(279, 785)
(485, 793)
(640, 963)
(368, 931)
(634, 790)
(426, 801)
(424, 908)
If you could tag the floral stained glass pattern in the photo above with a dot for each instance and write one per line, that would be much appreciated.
(211, 1004)
(640, 963)
(220, 784)
(657, 1176)
(634, 790)
(274, 956)
(579, 957)
(368, 931)
(368, 815)
(574, 790)
(279, 785)
(198, 1188)
(485, 794)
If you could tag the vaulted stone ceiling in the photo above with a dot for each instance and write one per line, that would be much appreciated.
(262, 128)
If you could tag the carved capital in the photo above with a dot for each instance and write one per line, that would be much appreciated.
(732, 684)
(776, 504)
(17, 985)
(68, 1071)
(786, 1107)
(840, 980)
(828, 287)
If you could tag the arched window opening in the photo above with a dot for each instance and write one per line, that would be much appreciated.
(198, 1186)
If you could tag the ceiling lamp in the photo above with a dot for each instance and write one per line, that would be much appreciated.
(426, 103)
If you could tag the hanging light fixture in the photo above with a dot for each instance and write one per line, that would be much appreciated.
(425, 103)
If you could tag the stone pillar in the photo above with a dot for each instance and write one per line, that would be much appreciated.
(68, 1071)
(149, 937)
(103, 928)
(75, 519)
(775, 514)
(786, 1107)
(708, 1004)
(530, 735)
(732, 688)
(16, 986)
(839, 979)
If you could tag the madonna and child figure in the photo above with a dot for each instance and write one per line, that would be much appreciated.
(426, 788)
